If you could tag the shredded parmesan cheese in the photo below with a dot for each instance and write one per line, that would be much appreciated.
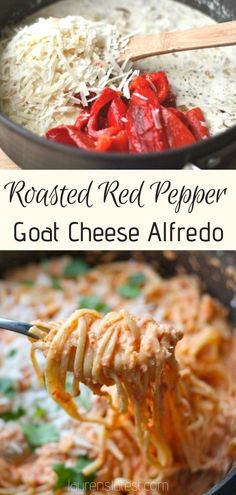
(44, 65)
(156, 118)
(140, 96)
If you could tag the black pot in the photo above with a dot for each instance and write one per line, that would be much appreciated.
(33, 152)
(216, 270)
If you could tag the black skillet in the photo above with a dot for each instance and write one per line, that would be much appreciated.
(216, 270)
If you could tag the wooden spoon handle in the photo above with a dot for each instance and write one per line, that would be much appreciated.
(140, 47)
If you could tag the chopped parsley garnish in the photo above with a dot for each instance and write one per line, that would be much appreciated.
(12, 353)
(38, 435)
(68, 475)
(12, 415)
(56, 284)
(28, 283)
(129, 291)
(45, 264)
(133, 288)
(7, 387)
(39, 413)
(94, 302)
(137, 279)
(75, 268)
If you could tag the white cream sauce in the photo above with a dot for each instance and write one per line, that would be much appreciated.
(204, 78)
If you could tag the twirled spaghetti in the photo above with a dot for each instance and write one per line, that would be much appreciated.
(135, 354)
(172, 407)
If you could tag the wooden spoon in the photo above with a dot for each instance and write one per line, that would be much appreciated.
(140, 47)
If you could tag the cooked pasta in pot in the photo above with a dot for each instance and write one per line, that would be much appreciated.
(44, 448)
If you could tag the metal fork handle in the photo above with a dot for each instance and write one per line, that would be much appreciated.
(16, 327)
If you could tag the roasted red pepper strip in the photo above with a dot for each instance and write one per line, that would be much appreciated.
(82, 120)
(118, 143)
(177, 133)
(180, 116)
(70, 135)
(146, 95)
(139, 82)
(95, 134)
(159, 81)
(105, 97)
(97, 122)
(61, 135)
(103, 143)
(81, 139)
(197, 123)
(145, 129)
(116, 113)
